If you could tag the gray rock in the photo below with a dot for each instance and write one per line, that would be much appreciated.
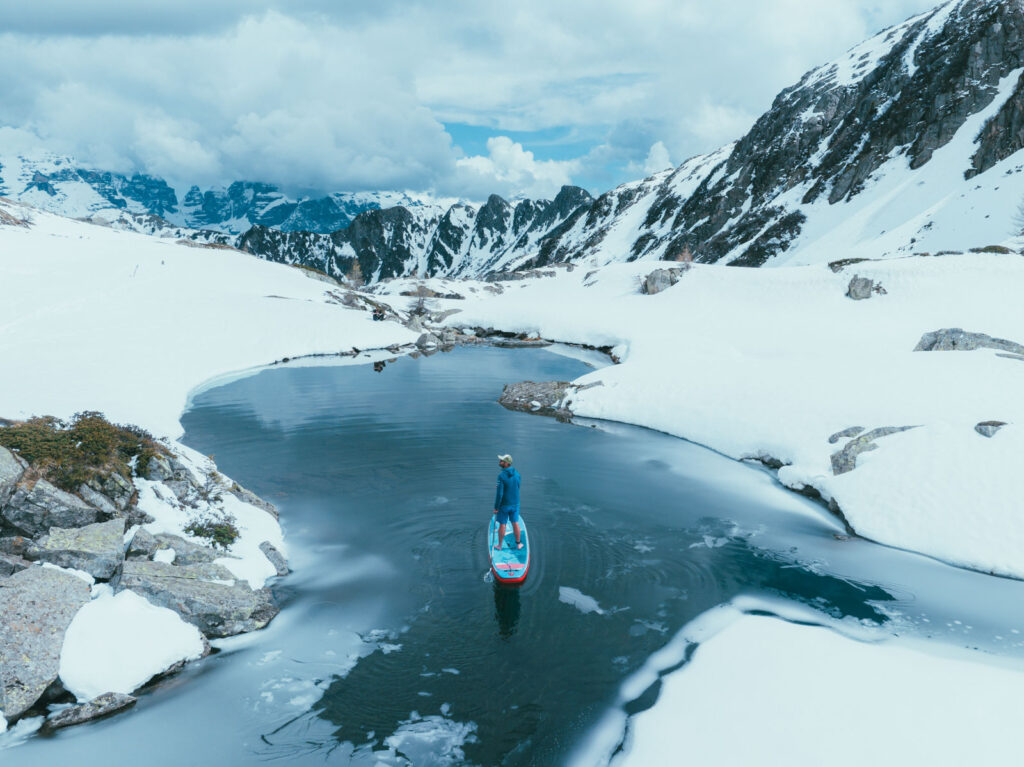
(36, 607)
(11, 470)
(276, 557)
(103, 705)
(426, 340)
(845, 460)
(442, 316)
(207, 596)
(186, 552)
(97, 549)
(521, 343)
(158, 469)
(541, 398)
(97, 499)
(35, 509)
(11, 564)
(143, 545)
(116, 488)
(851, 431)
(15, 544)
(860, 288)
(247, 496)
(959, 340)
(414, 324)
(989, 428)
(662, 279)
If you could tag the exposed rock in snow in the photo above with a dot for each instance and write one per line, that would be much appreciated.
(862, 287)
(37, 506)
(956, 339)
(206, 595)
(846, 459)
(542, 398)
(97, 708)
(275, 557)
(662, 279)
(989, 428)
(36, 607)
(97, 549)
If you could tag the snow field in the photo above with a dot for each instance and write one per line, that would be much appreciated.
(886, 705)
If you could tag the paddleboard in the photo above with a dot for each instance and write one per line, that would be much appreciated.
(509, 564)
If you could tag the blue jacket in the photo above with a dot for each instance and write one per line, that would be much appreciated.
(508, 489)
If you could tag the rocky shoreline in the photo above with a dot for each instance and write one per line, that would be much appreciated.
(67, 555)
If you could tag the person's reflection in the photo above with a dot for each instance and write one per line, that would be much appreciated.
(506, 609)
(378, 366)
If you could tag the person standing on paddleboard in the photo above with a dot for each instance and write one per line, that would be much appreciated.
(506, 502)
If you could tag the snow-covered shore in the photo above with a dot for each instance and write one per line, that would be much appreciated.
(98, 320)
(772, 362)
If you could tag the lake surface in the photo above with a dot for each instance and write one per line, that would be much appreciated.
(395, 646)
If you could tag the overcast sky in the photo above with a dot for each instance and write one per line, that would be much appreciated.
(459, 98)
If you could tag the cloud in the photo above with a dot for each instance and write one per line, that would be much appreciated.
(508, 169)
(657, 159)
(324, 94)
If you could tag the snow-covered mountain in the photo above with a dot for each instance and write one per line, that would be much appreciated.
(460, 240)
(60, 184)
(908, 143)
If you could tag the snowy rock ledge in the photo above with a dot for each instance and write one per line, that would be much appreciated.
(90, 611)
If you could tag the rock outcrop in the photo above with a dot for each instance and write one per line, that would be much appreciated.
(845, 460)
(960, 340)
(989, 428)
(206, 595)
(662, 279)
(35, 507)
(97, 708)
(97, 549)
(36, 607)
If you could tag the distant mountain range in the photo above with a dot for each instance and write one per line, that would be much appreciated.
(908, 143)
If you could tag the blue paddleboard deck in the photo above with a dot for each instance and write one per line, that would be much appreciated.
(509, 564)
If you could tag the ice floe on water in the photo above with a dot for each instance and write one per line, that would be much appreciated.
(579, 600)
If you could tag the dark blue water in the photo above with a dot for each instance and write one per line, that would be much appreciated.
(395, 646)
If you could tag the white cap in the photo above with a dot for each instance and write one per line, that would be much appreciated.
(505, 458)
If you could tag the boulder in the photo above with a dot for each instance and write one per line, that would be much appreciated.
(98, 549)
(97, 499)
(35, 509)
(860, 288)
(426, 340)
(541, 398)
(414, 324)
(115, 487)
(662, 279)
(845, 460)
(989, 428)
(11, 564)
(959, 340)
(100, 706)
(158, 469)
(276, 557)
(11, 470)
(185, 552)
(36, 607)
(247, 496)
(143, 545)
(15, 544)
(205, 595)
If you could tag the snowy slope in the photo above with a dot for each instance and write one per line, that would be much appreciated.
(127, 324)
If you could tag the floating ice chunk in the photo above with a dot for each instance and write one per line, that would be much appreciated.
(579, 600)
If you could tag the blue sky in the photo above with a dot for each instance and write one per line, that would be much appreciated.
(453, 97)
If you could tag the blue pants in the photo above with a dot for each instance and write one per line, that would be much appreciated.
(508, 515)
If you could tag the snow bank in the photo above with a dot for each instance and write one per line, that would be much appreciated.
(136, 322)
(116, 643)
(753, 694)
(772, 362)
